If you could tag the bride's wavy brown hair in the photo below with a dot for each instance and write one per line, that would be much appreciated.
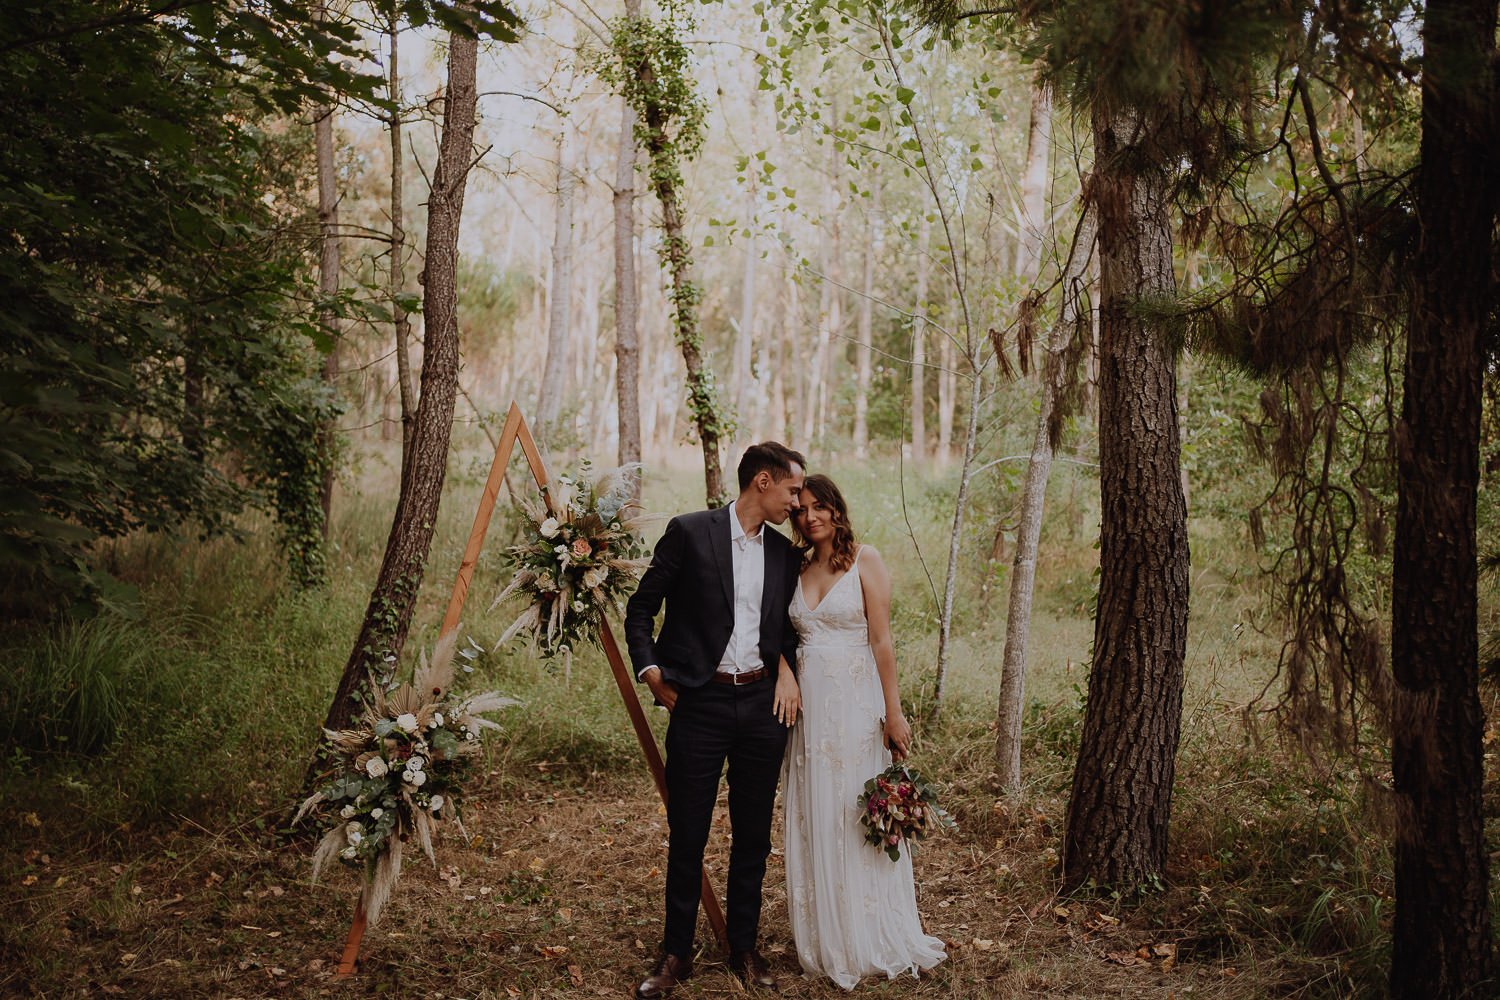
(826, 493)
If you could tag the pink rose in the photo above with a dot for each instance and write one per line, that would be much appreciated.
(581, 548)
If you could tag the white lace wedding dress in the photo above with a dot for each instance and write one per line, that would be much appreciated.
(853, 910)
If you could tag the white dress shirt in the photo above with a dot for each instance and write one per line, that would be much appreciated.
(748, 553)
(748, 557)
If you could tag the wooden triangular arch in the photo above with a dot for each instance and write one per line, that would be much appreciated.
(514, 432)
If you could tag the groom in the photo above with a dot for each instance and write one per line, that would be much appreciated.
(723, 665)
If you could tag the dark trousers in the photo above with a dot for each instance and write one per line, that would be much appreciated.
(709, 726)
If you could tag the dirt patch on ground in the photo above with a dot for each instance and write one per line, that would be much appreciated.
(559, 895)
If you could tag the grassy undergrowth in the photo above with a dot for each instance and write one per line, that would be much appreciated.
(149, 753)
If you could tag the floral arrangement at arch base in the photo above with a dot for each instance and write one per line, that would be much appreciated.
(897, 807)
(580, 555)
(400, 774)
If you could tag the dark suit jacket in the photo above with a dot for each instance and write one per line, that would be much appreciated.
(693, 572)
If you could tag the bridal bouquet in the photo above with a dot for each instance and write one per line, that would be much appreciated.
(582, 553)
(898, 806)
(400, 774)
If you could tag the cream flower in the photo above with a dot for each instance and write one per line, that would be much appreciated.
(437, 719)
(549, 527)
(407, 721)
(436, 803)
(376, 767)
(377, 812)
(347, 812)
(595, 576)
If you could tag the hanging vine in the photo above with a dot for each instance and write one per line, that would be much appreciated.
(648, 65)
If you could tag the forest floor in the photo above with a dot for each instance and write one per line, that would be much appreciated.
(142, 859)
(559, 897)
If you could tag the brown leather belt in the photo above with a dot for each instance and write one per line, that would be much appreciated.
(748, 677)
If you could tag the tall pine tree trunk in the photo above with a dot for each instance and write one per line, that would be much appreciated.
(1122, 785)
(405, 387)
(559, 295)
(328, 281)
(1054, 376)
(627, 301)
(1441, 936)
(388, 616)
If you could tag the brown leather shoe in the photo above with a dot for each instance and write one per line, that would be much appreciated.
(664, 978)
(752, 969)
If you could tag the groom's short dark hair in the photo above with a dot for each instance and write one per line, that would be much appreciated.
(768, 456)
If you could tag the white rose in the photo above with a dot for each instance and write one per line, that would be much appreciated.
(549, 528)
(347, 853)
(436, 803)
(415, 764)
(347, 812)
(437, 718)
(419, 778)
(377, 812)
(580, 607)
(595, 576)
(407, 721)
(376, 767)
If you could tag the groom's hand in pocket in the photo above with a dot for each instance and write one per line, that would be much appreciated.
(663, 690)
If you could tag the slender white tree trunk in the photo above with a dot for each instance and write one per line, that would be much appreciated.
(862, 349)
(1034, 184)
(919, 348)
(1033, 501)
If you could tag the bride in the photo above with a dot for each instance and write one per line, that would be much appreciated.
(853, 910)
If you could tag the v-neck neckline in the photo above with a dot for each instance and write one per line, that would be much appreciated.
(802, 590)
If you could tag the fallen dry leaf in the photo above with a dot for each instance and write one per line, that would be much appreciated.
(575, 975)
(553, 950)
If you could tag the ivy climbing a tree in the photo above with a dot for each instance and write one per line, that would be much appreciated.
(649, 67)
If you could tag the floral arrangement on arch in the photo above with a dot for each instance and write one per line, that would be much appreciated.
(400, 773)
(898, 807)
(581, 554)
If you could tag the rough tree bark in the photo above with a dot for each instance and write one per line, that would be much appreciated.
(627, 338)
(397, 279)
(1441, 935)
(388, 615)
(1122, 786)
(328, 280)
(559, 295)
(1033, 502)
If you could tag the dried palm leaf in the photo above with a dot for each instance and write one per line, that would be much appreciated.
(334, 841)
(528, 621)
(382, 881)
(306, 806)
(434, 676)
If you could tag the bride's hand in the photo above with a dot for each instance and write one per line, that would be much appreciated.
(788, 698)
(898, 735)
